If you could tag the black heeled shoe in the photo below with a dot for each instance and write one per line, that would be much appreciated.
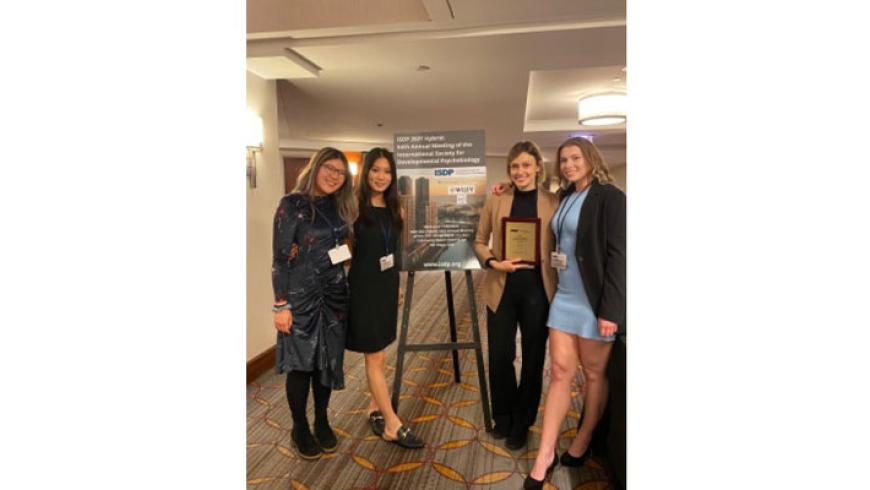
(567, 460)
(532, 484)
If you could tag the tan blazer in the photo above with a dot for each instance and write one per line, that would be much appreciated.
(494, 210)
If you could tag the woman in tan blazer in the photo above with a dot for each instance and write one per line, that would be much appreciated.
(514, 293)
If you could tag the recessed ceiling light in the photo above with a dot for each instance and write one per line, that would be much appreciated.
(380, 125)
(423, 68)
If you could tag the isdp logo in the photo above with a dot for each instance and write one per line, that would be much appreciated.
(443, 172)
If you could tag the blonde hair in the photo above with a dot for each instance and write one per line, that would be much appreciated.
(598, 167)
(344, 199)
(532, 149)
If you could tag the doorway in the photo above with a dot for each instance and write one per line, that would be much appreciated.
(292, 167)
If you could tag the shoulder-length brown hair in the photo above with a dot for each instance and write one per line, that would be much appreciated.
(592, 156)
(391, 194)
(532, 149)
(343, 197)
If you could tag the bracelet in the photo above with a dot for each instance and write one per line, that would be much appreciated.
(487, 261)
(284, 307)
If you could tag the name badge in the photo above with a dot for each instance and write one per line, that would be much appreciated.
(339, 254)
(386, 262)
(559, 260)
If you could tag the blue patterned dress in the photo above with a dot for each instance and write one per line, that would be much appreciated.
(315, 288)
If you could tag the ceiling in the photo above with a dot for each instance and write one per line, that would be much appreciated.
(348, 74)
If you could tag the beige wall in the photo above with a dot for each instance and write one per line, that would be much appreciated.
(496, 171)
(261, 204)
(618, 174)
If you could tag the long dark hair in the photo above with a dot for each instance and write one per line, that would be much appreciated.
(391, 194)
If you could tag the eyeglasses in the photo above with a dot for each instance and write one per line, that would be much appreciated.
(334, 171)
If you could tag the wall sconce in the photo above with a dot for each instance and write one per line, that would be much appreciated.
(601, 110)
(354, 168)
(254, 143)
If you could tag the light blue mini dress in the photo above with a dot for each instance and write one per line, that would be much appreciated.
(570, 311)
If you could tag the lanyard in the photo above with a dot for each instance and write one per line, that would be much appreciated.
(386, 231)
(329, 222)
(563, 213)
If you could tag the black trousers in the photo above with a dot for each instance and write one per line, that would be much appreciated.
(523, 302)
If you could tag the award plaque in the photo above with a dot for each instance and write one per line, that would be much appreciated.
(520, 238)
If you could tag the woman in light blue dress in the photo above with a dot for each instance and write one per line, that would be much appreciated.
(571, 312)
(589, 305)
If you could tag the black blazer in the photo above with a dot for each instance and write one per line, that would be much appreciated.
(600, 251)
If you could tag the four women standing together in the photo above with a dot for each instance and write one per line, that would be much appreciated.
(581, 242)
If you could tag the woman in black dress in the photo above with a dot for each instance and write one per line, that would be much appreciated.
(374, 286)
(311, 229)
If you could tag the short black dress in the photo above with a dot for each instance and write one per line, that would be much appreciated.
(374, 294)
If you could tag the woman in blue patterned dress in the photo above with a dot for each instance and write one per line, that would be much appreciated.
(589, 305)
(311, 228)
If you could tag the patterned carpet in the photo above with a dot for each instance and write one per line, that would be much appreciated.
(448, 416)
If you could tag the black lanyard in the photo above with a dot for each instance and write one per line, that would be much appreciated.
(386, 231)
(331, 225)
(563, 213)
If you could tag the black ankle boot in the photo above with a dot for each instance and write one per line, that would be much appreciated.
(325, 436)
(304, 441)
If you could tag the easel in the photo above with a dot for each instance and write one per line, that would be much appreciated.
(453, 345)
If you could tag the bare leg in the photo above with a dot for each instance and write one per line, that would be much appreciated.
(593, 355)
(563, 368)
(375, 368)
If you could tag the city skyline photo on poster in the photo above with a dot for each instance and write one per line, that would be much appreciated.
(442, 188)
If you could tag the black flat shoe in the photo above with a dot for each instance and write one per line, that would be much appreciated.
(531, 484)
(377, 423)
(500, 431)
(517, 439)
(407, 439)
(305, 444)
(324, 437)
(568, 460)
